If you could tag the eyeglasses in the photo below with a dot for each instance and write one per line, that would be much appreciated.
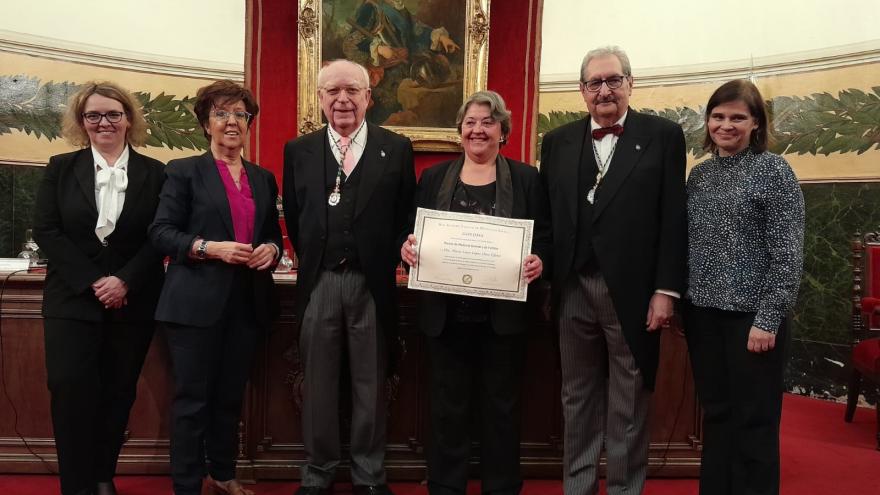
(239, 115)
(350, 91)
(594, 85)
(95, 117)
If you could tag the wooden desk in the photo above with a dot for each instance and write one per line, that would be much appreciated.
(270, 445)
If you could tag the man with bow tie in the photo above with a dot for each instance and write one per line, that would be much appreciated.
(616, 181)
(348, 190)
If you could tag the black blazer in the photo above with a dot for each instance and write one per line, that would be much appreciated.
(527, 199)
(193, 204)
(64, 228)
(639, 223)
(384, 200)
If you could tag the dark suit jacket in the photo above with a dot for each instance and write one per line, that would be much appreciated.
(639, 223)
(384, 200)
(528, 199)
(64, 228)
(193, 204)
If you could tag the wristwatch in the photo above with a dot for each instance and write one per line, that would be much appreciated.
(202, 250)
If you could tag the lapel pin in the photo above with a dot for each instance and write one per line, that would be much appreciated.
(382, 153)
(638, 147)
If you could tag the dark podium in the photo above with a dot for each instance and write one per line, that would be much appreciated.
(270, 444)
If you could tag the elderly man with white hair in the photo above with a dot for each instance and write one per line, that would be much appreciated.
(347, 192)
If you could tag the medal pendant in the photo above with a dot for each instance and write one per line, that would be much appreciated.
(591, 195)
(333, 200)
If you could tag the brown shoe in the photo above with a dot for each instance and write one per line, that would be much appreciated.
(231, 487)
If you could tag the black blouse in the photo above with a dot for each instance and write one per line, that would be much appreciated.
(481, 201)
(745, 235)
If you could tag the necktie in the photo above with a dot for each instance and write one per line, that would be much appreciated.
(348, 162)
(110, 181)
(616, 129)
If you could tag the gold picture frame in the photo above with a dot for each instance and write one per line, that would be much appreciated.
(465, 68)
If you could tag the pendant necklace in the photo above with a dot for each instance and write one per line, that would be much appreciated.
(336, 195)
(603, 169)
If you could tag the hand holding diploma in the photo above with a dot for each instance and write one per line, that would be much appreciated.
(473, 255)
(532, 264)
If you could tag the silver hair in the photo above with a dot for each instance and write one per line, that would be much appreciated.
(322, 74)
(606, 51)
(497, 110)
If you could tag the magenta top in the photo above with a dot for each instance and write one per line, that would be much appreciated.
(241, 203)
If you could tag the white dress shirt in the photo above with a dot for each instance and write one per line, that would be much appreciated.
(606, 145)
(358, 143)
(110, 185)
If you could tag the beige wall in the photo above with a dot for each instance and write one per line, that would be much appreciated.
(664, 34)
(835, 166)
(205, 31)
(20, 147)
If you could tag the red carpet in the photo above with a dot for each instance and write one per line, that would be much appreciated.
(820, 455)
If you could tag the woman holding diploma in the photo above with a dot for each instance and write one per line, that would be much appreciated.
(478, 344)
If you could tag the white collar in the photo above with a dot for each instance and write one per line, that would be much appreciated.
(358, 139)
(121, 162)
(595, 125)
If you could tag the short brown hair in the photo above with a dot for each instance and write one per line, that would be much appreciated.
(221, 93)
(740, 90)
(72, 127)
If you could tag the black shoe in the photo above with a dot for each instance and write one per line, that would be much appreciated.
(106, 488)
(372, 490)
(311, 490)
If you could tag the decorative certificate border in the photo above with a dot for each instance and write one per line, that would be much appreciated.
(526, 227)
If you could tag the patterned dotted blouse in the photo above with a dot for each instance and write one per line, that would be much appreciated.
(745, 235)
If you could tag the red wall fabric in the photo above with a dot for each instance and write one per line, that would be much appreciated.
(872, 288)
(271, 72)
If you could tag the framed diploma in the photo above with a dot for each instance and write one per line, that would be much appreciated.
(471, 255)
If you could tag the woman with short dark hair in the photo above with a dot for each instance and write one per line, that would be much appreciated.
(102, 282)
(745, 239)
(477, 345)
(218, 222)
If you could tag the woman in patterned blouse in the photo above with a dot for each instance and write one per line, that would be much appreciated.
(745, 239)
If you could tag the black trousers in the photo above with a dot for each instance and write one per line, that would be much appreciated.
(469, 361)
(92, 369)
(211, 367)
(741, 395)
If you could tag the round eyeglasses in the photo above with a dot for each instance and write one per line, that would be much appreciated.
(239, 115)
(95, 117)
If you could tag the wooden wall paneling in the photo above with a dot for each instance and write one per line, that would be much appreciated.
(270, 439)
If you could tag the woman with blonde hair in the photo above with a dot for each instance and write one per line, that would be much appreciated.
(102, 283)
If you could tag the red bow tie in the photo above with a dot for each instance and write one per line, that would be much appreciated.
(616, 129)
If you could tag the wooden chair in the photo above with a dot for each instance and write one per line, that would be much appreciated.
(865, 358)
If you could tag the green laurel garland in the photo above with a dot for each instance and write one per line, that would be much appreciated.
(819, 124)
(37, 109)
